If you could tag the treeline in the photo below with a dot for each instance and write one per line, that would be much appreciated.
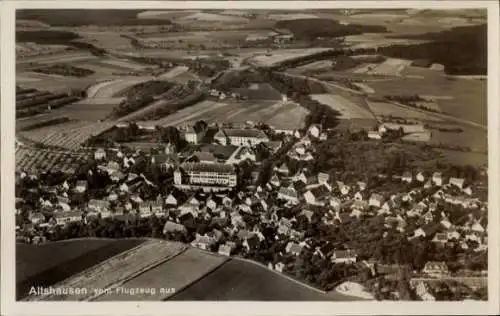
(139, 96)
(462, 50)
(65, 70)
(310, 29)
(46, 37)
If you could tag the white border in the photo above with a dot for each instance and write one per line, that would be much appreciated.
(10, 307)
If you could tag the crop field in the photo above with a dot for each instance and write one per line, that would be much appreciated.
(47, 264)
(474, 138)
(43, 160)
(89, 109)
(69, 135)
(115, 64)
(469, 96)
(390, 67)
(381, 109)
(274, 113)
(62, 57)
(165, 14)
(347, 108)
(120, 268)
(239, 280)
(178, 272)
(174, 72)
(283, 55)
(464, 158)
(28, 122)
(109, 89)
(291, 16)
(212, 17)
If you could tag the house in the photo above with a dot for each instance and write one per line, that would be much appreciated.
(98, 205)
(203, 242)
(361, 185)
(66, 217)
(358, 196)
(163, 161)
(145, 209)
(458, 182)
(227, 248)
(374, 135)
(194, 134)
(252, 242)
(323, 136)
(335, 203)
(99, 154)
(477, 227)
(467, 190)
(317, 195)
(293, 248)
(376, 200)
(36, 218)
(205, 174)
(288, 194)
(437, 178)
(323, 178)
(419, 232)
(171, 227)
(420, 177)
(344, 189)
(81, 186)
(441, 238)
(428, 217)
(344, 256)
(407, 177)
(314, 130)
(171, 201)
(283, 169)
(241, 137)
(275, 181)
(359, 205)
(435, 269)
(279, 267)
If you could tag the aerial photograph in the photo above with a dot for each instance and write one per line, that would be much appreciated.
(251, 155)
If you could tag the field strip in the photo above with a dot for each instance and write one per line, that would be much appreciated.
(176, 273)
(123, 266)
(192, 113)
(172, 73)
(92, 91)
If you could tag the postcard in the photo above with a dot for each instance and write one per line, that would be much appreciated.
(249, 157)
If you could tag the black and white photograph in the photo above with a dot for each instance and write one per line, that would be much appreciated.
(310, 155)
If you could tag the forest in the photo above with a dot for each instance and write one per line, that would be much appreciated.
(462, 50)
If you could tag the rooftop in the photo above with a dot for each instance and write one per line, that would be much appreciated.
(208, 167)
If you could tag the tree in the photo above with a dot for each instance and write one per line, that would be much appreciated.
(171, 135)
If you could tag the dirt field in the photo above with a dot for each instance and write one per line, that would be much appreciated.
(238, 280)
(44, 265)
(347, 108)
(117, 269)
(177, 273)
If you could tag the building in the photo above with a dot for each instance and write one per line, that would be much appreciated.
(437, 178)
(36, 218)
(458, 182)
(98, 205)
(241, 137)
(374, 135)
(435, 269)
(376, 200)
(81, 186)
(206, 174)
(171, 227)
(66, 217)
(344, 256)
(293, 248)
(288, 194)
(194, 134)
(99, 154)
(317, 195)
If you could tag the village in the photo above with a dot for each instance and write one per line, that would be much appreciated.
(250, 192)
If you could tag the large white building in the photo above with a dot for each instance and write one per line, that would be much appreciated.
(241, 137)
(206, 174)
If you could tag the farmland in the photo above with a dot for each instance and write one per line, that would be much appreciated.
(112, 88)
(240, 280)
(47, 264)
(269, 112)
(30, 101)
(384, 109)
(177, 273)
(347, 108)
(117, 269)
(44, 160)
(69, 135)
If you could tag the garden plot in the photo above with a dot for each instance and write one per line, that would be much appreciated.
(347, 108)
(176, 273)
(116, 270)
